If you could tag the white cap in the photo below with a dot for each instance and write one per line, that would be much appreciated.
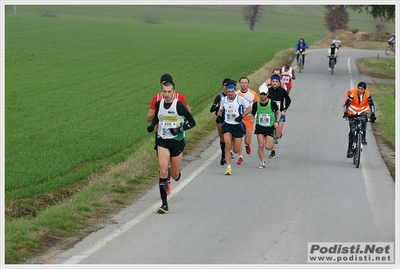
(263, 88)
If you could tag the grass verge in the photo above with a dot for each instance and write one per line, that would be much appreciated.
(384, 98)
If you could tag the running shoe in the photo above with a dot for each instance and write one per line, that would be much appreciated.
(262, 165)
(297, 63)
(276, 140)
(248, 149)
(228, 171)
(240, 160)
(232, 156)
(179, 177)
(329, 69)
(163, 209)
(302, 67)
(272, 155)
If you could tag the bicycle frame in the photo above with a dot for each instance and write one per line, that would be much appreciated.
(332, 62)
(301, 60)
(357, 146)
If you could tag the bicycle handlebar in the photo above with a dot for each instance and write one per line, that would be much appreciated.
(358, 119)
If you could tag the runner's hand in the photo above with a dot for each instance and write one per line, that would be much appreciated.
(150, 128)
(219, 119)
(176, 131)
(239, 119)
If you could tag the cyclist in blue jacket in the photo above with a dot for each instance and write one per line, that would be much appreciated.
(301, 47)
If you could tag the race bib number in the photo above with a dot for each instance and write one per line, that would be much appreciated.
(286, 79)
(278, 104)
(265, 119)
(164, 129)
(230, 115)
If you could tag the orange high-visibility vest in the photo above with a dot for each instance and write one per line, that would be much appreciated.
(357, 106)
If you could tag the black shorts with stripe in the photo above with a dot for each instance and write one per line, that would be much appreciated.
(175, 147)
(265, 130)
(237, 130)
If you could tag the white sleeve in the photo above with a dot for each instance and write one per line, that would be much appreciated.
(221, 103)
(243, 102)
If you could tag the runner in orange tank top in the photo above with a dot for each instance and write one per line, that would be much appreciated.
(251, 97)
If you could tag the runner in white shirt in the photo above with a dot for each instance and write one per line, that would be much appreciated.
(287, 75)
(232, 110)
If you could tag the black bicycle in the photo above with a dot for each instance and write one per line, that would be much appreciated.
(357, 145)
(301, 62)
(332, 63)
(390, 48)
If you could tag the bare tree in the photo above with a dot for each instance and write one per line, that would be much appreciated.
(380, 25)
(336, 18)
(251, 14)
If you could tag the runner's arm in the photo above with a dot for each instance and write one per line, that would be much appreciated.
(183, 111)
(287, 100)
(215, 106)
(152, 108)
(155, 119)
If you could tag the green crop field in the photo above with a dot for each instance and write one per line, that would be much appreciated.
(79, 79)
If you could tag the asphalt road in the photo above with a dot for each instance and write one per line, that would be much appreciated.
(309, 193)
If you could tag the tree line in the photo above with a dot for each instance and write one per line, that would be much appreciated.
(336, 16)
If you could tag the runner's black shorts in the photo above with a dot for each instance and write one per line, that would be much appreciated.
(175, 147)
(237, 130)
(265, 130)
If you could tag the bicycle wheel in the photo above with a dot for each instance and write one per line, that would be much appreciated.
(388, 50)
(357, 153)
(332, 65)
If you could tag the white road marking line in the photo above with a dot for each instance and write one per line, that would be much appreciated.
(105, 240)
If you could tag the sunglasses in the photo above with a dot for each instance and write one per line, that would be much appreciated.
(263, 93)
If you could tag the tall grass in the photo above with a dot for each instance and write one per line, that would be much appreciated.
(79, 78)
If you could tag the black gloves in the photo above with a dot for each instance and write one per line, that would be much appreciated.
(346, 115)
(239, 119)
(372, 119)
(176, 131)
(150, 128)
(219, 119)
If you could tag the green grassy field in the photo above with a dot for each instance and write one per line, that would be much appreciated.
(79, 80)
